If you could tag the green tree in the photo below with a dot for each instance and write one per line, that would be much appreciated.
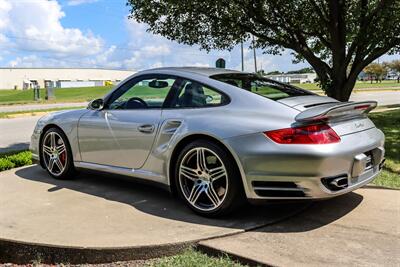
(376, 71)
(274, 72)
(330, 35)
(303, 70)
(395, 66)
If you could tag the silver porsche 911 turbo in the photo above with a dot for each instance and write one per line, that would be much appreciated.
(216, 137)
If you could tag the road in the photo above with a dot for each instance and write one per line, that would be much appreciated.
(383, 98)
(15, 133)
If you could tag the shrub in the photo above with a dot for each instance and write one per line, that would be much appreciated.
(15, 160)
(21, 159)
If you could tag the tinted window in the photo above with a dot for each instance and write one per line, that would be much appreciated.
(193, 94)
(141, 94)
(262, 86)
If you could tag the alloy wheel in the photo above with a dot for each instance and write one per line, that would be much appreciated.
(203, 179)
(54, 153)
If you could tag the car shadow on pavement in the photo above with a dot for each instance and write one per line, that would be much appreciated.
(157, 202)
(319, 214)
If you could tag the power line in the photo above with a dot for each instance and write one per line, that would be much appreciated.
(117, 47)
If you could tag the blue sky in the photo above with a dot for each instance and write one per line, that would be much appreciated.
(97, 33)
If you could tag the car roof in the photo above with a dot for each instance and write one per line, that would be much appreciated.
(199, 70)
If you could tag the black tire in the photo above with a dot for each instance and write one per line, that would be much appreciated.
(234, 194)
(68, 171)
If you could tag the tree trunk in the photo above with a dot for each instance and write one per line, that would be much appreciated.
(341, 87)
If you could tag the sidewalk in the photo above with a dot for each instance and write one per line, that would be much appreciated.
(357, 229)
(28, 107)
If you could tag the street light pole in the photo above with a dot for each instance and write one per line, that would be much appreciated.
(254, 54)
(241, 50)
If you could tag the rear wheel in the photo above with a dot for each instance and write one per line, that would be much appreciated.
(208, 180)
(56, 154)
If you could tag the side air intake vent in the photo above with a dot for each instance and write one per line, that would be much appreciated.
(277, 189)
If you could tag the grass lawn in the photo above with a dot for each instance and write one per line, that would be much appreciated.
(359, 85)
(389, 123)
(62, 95)
(193, 258)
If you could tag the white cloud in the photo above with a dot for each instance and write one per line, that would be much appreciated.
(36, 26)
(149, 50)
(37, 37)
(153, 50)
(80, 2)
(26, 61)
(200, 64)
(157, 65)
(5, 7)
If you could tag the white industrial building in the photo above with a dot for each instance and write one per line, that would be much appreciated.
(24, 78)
(294, 78)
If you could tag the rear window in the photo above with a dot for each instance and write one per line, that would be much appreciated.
(261, 86)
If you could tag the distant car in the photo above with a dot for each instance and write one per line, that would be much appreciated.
(216, 137)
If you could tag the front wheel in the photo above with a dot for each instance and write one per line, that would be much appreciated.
(208, 179)
(56, 154)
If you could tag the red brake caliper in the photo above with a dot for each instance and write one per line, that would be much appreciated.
(62, 157)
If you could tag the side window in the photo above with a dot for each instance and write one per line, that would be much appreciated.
(142, 94)
(193, 95)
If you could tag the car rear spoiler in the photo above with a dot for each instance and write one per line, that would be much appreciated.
(333, 111)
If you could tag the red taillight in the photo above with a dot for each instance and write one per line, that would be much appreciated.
(362, 107)
(311, 134)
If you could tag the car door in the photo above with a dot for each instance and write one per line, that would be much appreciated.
(122, 133)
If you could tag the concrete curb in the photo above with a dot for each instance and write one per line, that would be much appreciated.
(24, 253)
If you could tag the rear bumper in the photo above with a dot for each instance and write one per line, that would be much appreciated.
(273, 171)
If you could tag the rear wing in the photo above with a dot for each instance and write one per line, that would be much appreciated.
(333, 111)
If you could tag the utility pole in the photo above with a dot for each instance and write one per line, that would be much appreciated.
(241, 50)
(254, 54)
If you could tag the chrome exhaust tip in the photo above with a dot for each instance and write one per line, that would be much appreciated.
(340, 183)
(336, 183)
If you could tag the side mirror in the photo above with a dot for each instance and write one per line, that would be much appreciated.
(96, 104)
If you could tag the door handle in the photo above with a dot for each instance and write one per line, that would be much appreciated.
(146, 128)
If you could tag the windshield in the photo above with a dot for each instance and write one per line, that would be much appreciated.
(261, 86)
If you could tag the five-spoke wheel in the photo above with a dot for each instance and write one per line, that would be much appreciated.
(203, 178)
(55, 153)
(207, 178)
